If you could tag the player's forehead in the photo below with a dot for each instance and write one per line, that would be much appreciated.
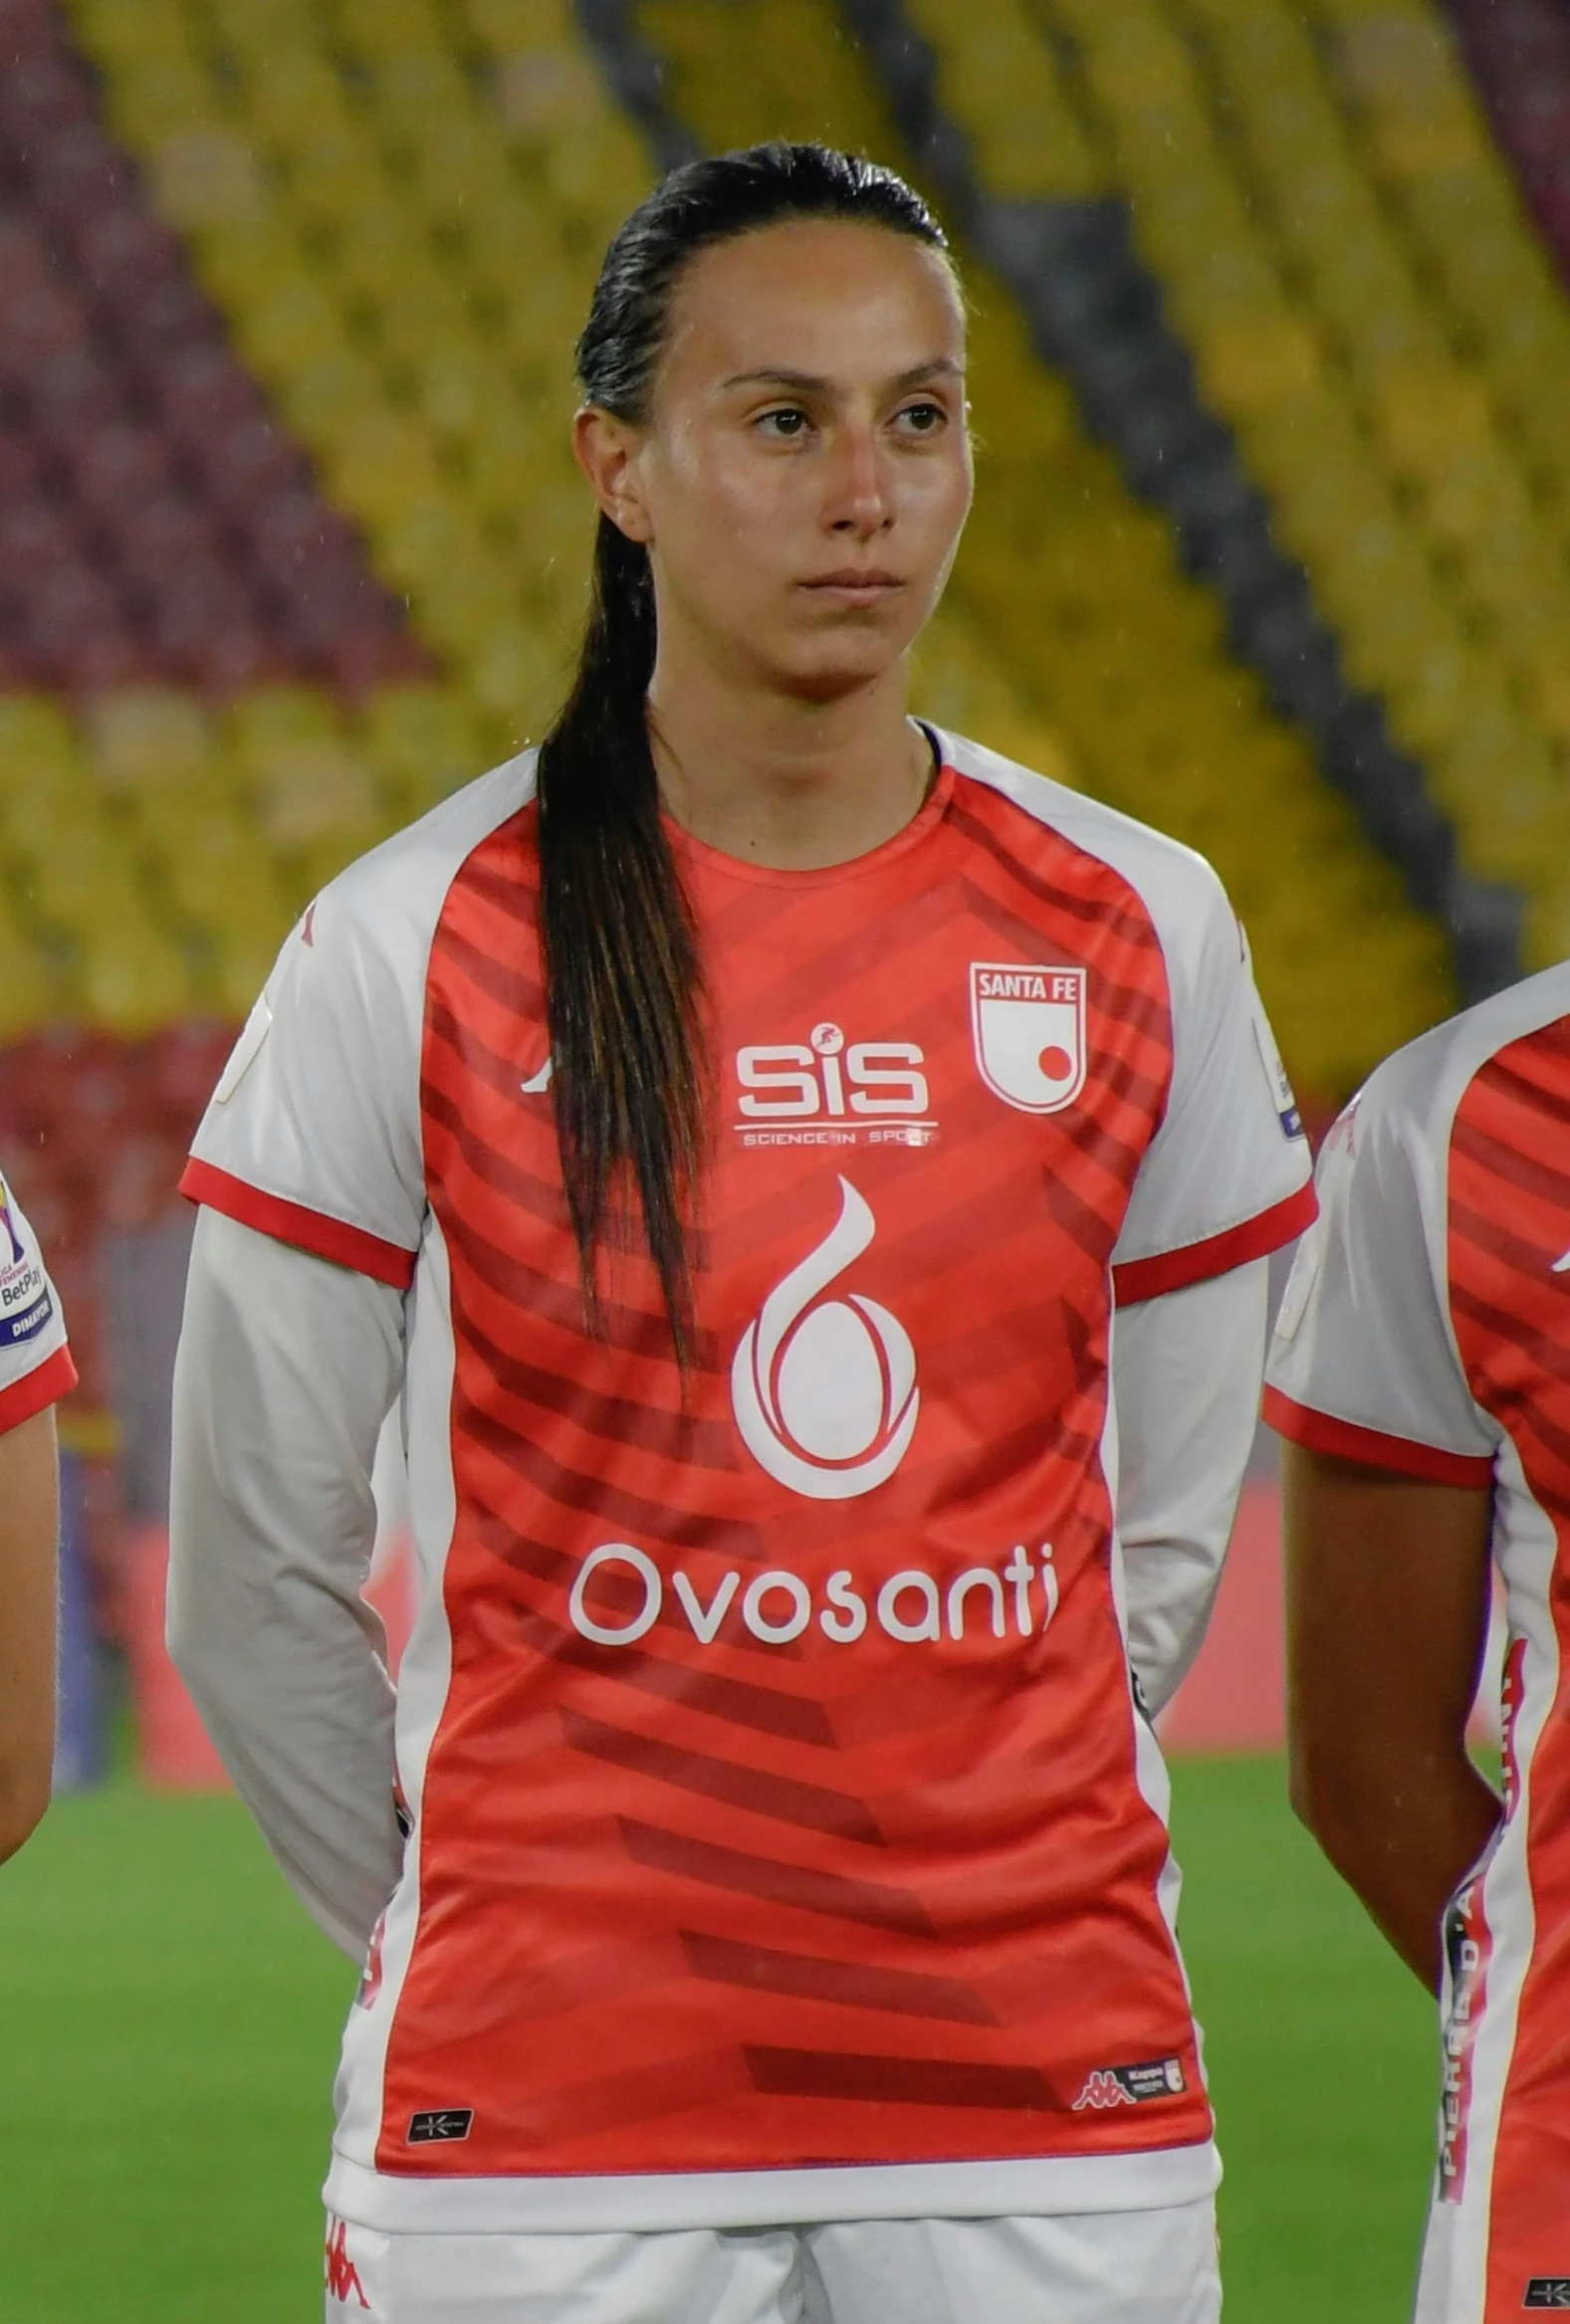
(854, 306)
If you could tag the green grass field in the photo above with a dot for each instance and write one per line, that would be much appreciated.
(169, 2023)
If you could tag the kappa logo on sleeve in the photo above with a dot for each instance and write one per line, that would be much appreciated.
(1548, 2291)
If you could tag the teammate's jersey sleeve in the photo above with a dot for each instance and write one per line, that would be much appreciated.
(1227, 1176)
(1364, 1363)
(313, 1135)
(36, 1369)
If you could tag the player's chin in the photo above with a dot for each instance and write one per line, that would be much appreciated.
(836, 655)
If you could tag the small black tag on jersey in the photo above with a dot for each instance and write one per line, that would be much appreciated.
(1548, 2291)
(1160, 2077)
(438, 2123)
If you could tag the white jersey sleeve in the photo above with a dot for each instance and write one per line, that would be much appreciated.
(313, 1135)
(1227, 1176)
(36, 1369)
(1364, 1363)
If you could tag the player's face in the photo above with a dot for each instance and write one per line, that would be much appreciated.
(806, 474)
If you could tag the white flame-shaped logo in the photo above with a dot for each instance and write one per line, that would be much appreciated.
(824, 1390)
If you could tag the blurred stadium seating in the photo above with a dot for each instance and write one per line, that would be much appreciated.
(1274, 489)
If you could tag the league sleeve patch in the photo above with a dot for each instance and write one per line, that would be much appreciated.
(1285, 1103)
(25, 1304)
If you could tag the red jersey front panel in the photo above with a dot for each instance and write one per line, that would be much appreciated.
(784, 1804)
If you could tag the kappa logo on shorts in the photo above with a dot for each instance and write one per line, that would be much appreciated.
(1548, 2291)
(439, 2123)
(824, 1390)
(1027, 1025)
(343, 2276)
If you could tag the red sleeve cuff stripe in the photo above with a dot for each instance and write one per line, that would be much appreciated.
(1321, 1433)
(1139, 1279)
(291, 1223)
(55, 1378)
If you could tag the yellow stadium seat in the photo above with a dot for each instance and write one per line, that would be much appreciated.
(35, 736)
(421, 740)
(29, 994)
(507, 25)
(133, 977)
(379, 464)
(216, 873)
(331, 398)
(335, 172)
(273, 715)
(292, 93)
(294, 323)
(148, 739)
(382, 28)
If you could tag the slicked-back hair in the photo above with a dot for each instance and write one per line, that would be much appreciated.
(623, 978)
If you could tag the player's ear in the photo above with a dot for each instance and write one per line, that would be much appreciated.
(609, 450)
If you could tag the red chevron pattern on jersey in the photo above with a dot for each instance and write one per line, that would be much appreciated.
(788, 1826)
(1510, 1229)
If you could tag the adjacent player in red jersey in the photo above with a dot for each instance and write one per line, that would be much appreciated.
(35, 1370)
(731, 1130)
(1421, 1371)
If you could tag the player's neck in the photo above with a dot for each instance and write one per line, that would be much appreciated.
(788, 783)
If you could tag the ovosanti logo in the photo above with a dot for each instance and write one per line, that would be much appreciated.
(825, 1389)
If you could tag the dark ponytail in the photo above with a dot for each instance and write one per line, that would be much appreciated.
(623, 978)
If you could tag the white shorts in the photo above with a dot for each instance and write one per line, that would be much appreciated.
(1103, 2267)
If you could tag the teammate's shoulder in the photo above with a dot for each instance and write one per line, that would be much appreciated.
(1419, 1087)
(1169, 878)
(405, 879)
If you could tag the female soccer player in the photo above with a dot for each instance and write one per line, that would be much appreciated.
(34, 1372)
(1422, 1372)
(730, 1128)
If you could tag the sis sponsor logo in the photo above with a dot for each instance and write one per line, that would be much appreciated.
(1013, 1599)
(25, 1304)
(827, 1090)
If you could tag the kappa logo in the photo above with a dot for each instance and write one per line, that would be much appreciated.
(1027, 1025)
(1102, 2089)
(1155, 2077)
(1548, 2291)
(823, 1385)
(343, 2276)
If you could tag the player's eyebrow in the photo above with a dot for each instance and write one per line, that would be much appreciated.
(809, 383)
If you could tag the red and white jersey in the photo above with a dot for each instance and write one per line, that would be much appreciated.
(36, 1369)
(784, 1820)
(1425, 1328)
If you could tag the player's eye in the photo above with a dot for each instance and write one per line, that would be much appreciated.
(923, 419)
(786, 424)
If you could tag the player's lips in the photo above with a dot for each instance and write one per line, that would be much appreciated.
(855, 585)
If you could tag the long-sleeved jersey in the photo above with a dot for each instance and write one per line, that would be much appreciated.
(787, 1837)
(1425, 1328)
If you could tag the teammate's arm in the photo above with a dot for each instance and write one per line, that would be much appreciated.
(287, 1365)
(1387, 1616)
(29, 1528)
(1186, 1373)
